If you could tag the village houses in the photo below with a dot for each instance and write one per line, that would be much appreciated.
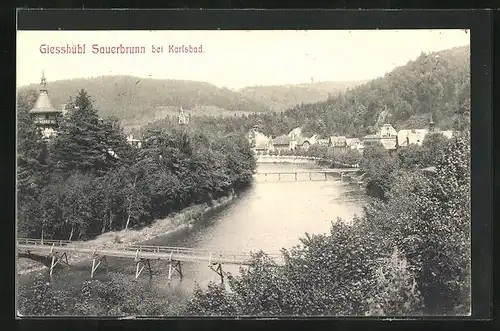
(387, 136)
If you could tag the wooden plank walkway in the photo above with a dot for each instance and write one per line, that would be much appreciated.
(182, 254)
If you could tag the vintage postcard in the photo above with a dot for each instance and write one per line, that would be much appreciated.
(243, 173)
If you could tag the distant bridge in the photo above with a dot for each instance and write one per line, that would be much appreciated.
(288, 159)
(301, 160)
(313, 175)
(54, 253)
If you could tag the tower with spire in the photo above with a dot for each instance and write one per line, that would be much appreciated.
(46, 117)
(183, 118)
(431, 124)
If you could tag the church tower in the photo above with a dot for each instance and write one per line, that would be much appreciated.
(183, 118)
(46, 117)
(431, 124)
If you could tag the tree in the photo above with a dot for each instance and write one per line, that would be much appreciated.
(428, 218)
(31, 151)
(378, 167)
(87, 143)
(76, 203)
(433, 148)
(411, 157)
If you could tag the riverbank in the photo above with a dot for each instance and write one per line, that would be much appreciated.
(175, 222)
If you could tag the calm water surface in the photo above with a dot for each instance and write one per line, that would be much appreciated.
(268, 216)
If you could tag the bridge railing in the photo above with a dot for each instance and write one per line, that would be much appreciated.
(27, 241)
(216, 255)
(212, 255)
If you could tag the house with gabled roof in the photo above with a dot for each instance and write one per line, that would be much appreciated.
(337, 143)
(386, 136)
(283, 143)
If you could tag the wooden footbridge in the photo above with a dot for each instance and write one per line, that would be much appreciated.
(55, 252)
(313, 175)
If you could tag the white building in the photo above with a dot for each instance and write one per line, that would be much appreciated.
(134, 142)
(387, 131)
(413, 136)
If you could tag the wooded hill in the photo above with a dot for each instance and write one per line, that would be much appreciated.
(138, 101)
(282, 97)
(436, 83)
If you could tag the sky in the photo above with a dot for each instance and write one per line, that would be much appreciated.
(232, 59)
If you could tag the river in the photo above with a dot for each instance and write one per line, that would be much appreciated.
(268, 216)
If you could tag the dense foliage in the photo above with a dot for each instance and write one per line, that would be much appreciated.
(381, 167)
(113, 296)
(428, 216)
(89, 180)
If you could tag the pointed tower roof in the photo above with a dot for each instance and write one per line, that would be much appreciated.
(43, 104)
(431, 123)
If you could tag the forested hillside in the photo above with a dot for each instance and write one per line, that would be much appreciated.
(281, 97)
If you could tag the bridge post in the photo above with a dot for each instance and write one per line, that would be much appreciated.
(95, 265)
(57, 259)
(295, 176)
(140, 268)
(310, 176)
(52, 264)
(172, 267)
(325, 175)
(137, 270)
(219, 271)
(179, 269)
(266, 176)
(279, 176)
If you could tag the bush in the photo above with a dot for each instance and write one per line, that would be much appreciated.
(335, 274)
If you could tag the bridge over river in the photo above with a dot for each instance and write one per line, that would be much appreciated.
(54, 253)
(311, 175)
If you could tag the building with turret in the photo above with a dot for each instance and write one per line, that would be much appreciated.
(45, 116)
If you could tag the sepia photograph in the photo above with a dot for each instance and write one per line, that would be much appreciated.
(233, 173)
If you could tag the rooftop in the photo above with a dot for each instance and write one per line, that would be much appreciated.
(282, 140)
